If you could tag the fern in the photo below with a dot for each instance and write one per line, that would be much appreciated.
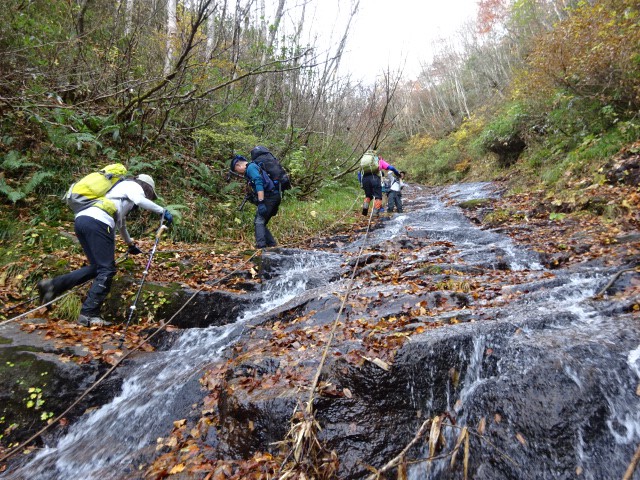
(12, 194)
(136, 164)
(17, 194)
(36, 180)
(230, 187)
(78, 139)
(114, 130)
(13, 161)
(175, 210)
(140, 166)
(204, 179)
(202, 170)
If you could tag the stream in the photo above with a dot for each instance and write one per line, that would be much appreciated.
(162, 387)
(551, 373)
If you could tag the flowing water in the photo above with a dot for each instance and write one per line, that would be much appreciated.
(561, 377)
(551, 350)
(160, 389)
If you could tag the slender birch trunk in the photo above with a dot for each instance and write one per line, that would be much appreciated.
(172, 28)
(273, 30)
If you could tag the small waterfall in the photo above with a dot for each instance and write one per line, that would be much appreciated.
(567, 349)
(552, 373)
(104, 444)
(634, 360)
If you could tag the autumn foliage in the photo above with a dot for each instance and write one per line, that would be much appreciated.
(593, 53)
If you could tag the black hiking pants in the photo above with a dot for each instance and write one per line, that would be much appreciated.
(263, 235)
(372, 186)
(98, 242)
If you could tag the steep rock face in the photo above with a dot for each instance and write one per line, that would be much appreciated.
(39, 379)
(164, 300)
(383, 409)
(558, 400)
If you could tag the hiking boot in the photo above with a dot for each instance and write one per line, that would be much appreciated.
(91, 321)
(365, 211)
(45, 291)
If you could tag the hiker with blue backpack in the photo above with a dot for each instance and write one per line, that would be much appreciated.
(267, 180)
(371, 166)
(97, 215)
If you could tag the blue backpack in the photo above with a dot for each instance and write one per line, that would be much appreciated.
(269, 185)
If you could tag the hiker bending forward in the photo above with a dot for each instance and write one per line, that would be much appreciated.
(372, 186)
(395, 192)
(95, 230)
(268, 198)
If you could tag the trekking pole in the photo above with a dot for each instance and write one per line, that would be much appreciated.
(13, 307)
(241, 207)
(132, 308)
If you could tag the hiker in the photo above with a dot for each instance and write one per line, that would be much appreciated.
(268, 196)
(95, 229)
(386, 185)
(395, 192)
(372, 164)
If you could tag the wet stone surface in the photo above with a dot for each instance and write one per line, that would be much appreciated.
(443, 319)
(38, 382)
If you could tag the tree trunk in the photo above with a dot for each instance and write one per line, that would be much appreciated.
(295, 74)
(172, 27)
(128, 15)
(211, 33)
(266, 51)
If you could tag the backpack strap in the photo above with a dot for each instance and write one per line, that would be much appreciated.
(265, 178)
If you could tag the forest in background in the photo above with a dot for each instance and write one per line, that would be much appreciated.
(540, 94)
(546, 90)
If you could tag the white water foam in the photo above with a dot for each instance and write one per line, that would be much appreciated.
(100, 444)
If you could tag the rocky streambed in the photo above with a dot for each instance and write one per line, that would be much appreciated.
(445, 320)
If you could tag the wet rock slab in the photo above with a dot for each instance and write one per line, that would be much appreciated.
(38, 382)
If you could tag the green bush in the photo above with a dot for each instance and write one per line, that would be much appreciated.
(226, 140)
(505, 135)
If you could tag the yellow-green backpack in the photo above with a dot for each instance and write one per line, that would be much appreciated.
(91, 189)
(369, 163)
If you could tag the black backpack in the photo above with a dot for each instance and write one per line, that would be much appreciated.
(266, 161)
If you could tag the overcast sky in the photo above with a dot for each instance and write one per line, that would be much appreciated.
(392, 32)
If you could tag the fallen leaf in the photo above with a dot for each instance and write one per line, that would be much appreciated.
(381, 363)
(482, 425)
(177, 469)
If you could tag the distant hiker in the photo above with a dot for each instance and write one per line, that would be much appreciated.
(95, 229)
(267, 195)
(371, 165)
(395, 192)
(386, 185)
